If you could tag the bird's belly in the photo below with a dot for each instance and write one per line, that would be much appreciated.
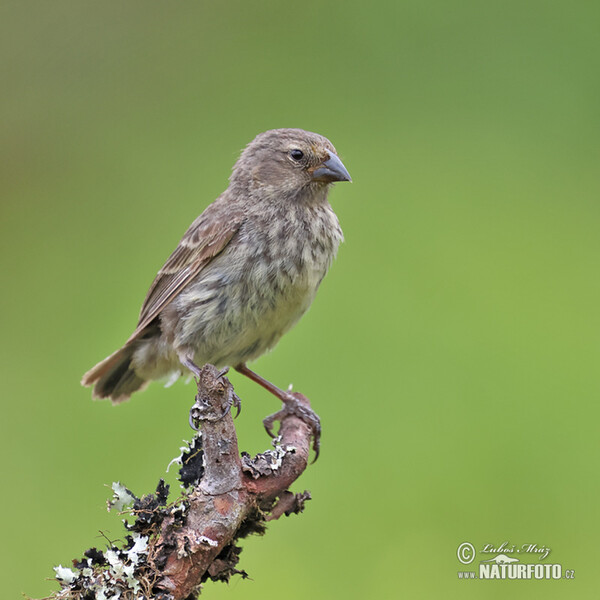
(227, 318)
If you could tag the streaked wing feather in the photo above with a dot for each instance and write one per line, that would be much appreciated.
(207, 237)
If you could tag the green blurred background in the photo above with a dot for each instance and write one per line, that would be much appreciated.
(452, 351)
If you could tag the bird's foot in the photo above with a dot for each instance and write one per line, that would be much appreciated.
(236, 403)
(201, 410)
(294, 406)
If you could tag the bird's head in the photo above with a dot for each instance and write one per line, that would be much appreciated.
(287, 162)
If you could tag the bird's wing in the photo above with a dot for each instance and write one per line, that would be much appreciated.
(207, 237)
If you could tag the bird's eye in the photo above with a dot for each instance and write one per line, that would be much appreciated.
(297, 154)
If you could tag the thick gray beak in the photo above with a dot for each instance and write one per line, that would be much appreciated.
(331, 170)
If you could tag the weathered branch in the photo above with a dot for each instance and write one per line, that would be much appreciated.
(178, 546)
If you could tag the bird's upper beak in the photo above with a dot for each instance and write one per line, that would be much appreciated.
(331, 170)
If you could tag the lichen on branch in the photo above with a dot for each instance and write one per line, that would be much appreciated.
(172, 548)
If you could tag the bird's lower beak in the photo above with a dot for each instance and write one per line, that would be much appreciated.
(331, 170)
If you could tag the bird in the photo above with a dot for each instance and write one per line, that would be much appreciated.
(242, 275)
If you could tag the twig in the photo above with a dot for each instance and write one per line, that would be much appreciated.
(176, 547)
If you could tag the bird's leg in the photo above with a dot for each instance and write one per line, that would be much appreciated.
(291, 406)
(283, 396)
(188, 363)
(223, 372)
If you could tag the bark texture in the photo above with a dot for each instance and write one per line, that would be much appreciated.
(177, 546)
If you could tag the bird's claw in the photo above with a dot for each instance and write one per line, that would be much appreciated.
(194, 418)
(235, 399)
(293, 407)
(200, 409)
(237, 403)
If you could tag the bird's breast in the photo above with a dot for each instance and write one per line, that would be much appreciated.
(258, 287)
(294, 249)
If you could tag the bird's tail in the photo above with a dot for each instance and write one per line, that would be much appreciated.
(114, 377)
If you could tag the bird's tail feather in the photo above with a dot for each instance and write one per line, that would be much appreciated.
(114, 377)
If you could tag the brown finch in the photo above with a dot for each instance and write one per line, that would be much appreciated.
(242, 275)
